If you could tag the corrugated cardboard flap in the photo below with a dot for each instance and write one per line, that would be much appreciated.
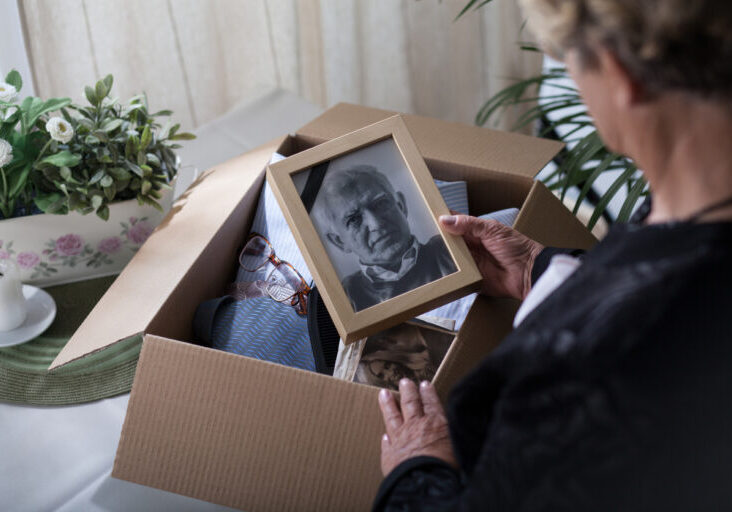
(147, 282)
(443, 141)
(248, 434)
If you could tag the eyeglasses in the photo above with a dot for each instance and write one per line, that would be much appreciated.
(284, 283)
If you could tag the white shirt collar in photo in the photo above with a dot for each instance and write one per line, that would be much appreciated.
(379, 273)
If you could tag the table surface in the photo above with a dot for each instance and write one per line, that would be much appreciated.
(60, 458)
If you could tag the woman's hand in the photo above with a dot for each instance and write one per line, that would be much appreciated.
(419, 427)
(504, 256)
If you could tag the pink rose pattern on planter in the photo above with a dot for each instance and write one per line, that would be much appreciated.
(110, 245)
(70, 250)
(28, 259)
(69, 245)
(138, 230)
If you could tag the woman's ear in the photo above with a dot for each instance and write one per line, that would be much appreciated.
(626, 91)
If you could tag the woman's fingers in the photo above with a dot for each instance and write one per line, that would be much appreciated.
(411, 401)
(430, 400)
(390, 411)
(467, 225)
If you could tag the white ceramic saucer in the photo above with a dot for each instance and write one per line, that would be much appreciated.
(41, 312)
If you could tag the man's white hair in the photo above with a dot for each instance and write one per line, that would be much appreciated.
(336, 181)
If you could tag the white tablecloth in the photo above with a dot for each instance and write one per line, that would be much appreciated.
(60, 458)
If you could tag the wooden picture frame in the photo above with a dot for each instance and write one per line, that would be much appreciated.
(323, 178)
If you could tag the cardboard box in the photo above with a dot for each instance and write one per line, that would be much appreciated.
(258, 436)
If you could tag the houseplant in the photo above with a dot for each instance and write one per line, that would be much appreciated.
(60, 162)
(558, 112)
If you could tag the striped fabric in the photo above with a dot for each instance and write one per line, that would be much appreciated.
(455, 194)
(263, 329)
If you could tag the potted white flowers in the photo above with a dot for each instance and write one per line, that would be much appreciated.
(105, 158)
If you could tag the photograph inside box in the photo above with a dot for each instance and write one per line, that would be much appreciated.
(412, 350)
(363, 209)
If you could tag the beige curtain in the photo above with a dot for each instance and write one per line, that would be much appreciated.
(200, 57)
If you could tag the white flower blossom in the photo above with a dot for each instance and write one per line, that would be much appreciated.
(59, 129)
(6, 153)
(8, 92)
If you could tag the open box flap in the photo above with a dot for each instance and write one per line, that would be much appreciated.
(150, 279)
(437, 140)
(545, 219)
(248, 434)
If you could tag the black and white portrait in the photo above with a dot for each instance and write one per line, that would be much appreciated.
(377, 230)
(406, 351)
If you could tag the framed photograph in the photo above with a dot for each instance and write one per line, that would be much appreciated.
(363, 209)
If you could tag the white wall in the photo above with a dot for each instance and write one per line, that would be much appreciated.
(12, 47)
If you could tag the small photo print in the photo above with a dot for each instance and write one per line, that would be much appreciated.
(413, 350)
(376, 227)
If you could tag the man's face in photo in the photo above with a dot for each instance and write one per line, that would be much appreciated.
(369, 220)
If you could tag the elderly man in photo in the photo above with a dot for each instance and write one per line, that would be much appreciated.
(365, 216)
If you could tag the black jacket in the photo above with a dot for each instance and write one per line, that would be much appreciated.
(614, 394)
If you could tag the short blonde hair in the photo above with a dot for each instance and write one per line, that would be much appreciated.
(664, 44)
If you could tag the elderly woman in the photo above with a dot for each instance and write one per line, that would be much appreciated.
(615, 393)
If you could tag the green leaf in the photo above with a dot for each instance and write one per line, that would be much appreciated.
(18, 180)
(110, 191)
(96, 201)
(45, 201)
(108, 81)
(183, 136)
(630, 201)
(97, 177)
(153, 159)
(35, 108)
(145, 139)
(100, 90)
(601, 168)
(609, 194)
(472, 4)
(91, 95)
(64, 158)
(119, 173)
(65, 173)
(106, 181)
(111, 125)
(103, 212)
(135, 169)
(146, 186)
(13, 78)
(149, 201)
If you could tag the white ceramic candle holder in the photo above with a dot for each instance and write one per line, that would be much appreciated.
(13, 309)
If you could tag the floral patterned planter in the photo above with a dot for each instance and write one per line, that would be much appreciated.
(56, 249)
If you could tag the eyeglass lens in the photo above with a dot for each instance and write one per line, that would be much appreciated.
(256, 253)
(283, 282)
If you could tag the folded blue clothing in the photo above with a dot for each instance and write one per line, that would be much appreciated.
(259, 327)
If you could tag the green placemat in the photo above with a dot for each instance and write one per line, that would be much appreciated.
(24, 375)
